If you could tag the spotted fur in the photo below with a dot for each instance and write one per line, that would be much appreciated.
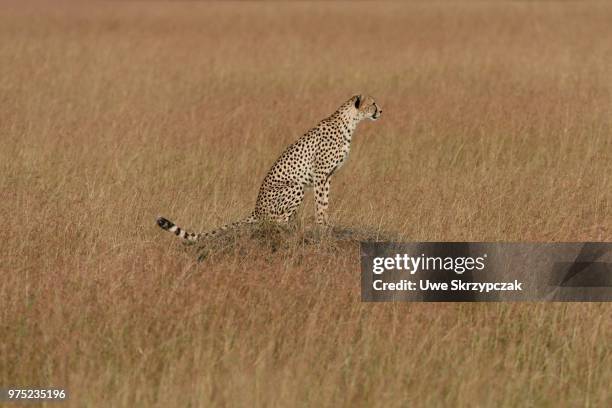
(309, 162)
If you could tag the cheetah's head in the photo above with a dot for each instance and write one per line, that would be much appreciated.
(363, 107)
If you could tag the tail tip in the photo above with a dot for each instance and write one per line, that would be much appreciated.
(164, 223)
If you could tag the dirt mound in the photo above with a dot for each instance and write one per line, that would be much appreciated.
(273, 238)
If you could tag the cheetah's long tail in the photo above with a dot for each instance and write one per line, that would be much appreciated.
(192, 236)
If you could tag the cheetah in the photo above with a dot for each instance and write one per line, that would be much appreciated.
(309, 162)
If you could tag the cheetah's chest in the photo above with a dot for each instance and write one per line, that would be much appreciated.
(343, 156)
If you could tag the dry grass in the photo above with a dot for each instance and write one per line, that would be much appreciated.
(497, 126)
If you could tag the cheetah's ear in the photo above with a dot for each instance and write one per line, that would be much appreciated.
(358, 101)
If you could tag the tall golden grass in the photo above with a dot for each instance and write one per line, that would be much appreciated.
(496, 127)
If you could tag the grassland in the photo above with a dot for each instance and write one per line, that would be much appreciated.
(497, 126)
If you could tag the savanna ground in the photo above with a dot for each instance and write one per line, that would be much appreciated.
(497, 126)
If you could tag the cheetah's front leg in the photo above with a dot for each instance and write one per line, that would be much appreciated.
(321, 200)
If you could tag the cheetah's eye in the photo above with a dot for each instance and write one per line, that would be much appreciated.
(358, 102)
